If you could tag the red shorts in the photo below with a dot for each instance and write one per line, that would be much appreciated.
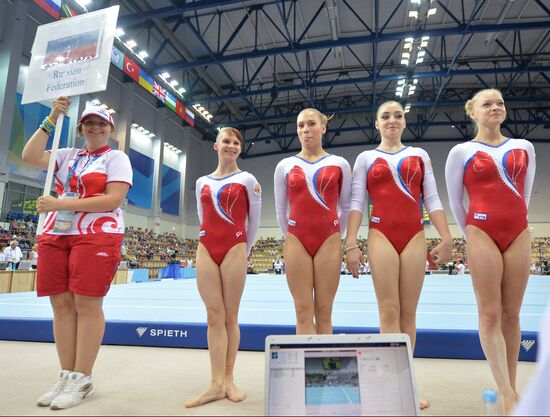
(81, 264)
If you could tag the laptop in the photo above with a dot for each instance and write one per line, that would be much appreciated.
(340, 375)
(24, 265)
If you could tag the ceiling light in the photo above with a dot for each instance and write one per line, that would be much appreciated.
(111, 111)
(131, 44)
(425, 38)
(146, 132)
(95, 102)
(405, 62)
(152, 135)
(134, 125)
(413, 14)
(165, 75)
(420, 60)
(409, 40)
(173, 83)
(104, 106)
(119, 32)
(182, 90)
(424, 44)
(143, 54)
(140, 128)
(432, 11)
(421, 54)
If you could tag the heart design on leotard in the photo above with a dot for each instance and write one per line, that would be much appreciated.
(515, 163)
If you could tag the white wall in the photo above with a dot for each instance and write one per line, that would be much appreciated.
(539, 215)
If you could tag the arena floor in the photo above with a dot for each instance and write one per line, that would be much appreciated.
(170, 313)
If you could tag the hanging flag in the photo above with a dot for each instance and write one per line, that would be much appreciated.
(159, 92)
(146, 81)
(170, 101)
(66, 11)
(52, 7)
(180, 109)
(117, 58)
(189, 116)
(131, 69)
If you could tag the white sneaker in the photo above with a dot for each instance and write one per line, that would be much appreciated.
(77, 387)
(46, 399)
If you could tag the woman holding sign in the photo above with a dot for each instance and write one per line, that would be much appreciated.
(80, 245)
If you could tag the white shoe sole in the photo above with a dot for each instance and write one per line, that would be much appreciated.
(56, 407)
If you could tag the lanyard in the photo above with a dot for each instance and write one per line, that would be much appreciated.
(72, 172)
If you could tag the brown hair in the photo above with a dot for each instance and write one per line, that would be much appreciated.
(231, 131)
(323, 117)
(469, 106)
(385, 104)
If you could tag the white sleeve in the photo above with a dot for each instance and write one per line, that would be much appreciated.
(530, 176)
(359, 183)
(254, 210)
(345, 195)
(281, 197)
(454, 178)
(198, 188)
(119, 168)
(430, 195)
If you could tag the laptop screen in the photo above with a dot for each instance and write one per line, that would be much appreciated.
(365, 378)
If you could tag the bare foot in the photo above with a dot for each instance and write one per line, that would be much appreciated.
(424, 404)
(508, 403)
(233, 393)
(214, 393)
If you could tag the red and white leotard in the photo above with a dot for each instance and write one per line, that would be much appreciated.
(397, 184)
(223, 205)
(318, 194)
(499, 180)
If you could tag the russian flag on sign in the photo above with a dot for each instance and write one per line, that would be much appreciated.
(52, 7)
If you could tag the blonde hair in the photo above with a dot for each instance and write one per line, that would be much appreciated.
(387, 103)
(469, 106)
(323, 117)
(231, 131)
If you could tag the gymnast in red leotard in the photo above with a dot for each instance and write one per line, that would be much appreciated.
(228, 204)
(398, 180)
(498, 174)
(312, 195)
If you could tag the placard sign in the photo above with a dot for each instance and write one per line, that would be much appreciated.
(72, 56)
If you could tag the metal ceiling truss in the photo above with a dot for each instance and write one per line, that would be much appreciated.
(302, 74)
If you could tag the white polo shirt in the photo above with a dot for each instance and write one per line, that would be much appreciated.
(92, 173)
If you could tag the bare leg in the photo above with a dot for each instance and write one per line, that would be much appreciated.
(326, 268)
(64, 329)
(517, 261)
(384, 263)
(411, 279)
(487, 268)
(90, 330)
(233, 273)
(210, 288)
(299, 275)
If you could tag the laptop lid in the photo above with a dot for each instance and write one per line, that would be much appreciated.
(359, 374)
(24, 265)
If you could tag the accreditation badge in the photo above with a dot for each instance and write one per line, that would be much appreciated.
(64, 219)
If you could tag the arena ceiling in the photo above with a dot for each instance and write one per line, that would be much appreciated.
(255, 64)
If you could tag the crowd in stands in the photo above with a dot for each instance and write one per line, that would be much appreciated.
(142, 245)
